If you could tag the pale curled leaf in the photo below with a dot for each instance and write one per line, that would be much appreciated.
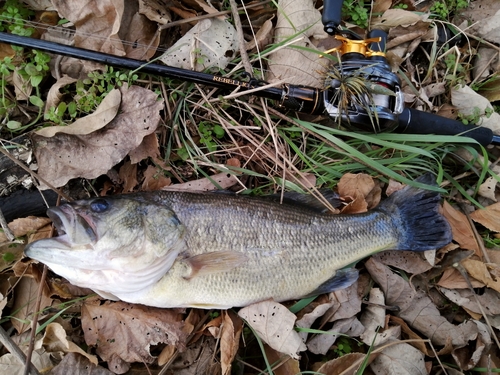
(229, 340)
(399, 359)
(489, 217)
(320, 344)
(103, 114)
(76, 364)
(54, 340)
(273, 323)
(348, 364)
(417, 309)
(212, 42)
(65, 156)
(298, 66)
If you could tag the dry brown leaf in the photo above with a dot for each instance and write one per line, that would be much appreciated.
(287, 365)
(110, 22)
(417, 309)
(489, 300)
(462, 232)
(395, 17)
(211, 43)
(362, 188)
(399, 359)
(373, 317)
(469, 101)
(149, 147)
(54, 96)
(274, 323)
(124, 332)
(67, 156)
(155, 10)
(479, 270)
(348, 364)
(263, 36)
(25, 293)
(348, 303)
(12, 365)
(128, 176)
(453, 279)
(487, 189)
(295, 65)
(320, 344)
(23, 226)
(104, 113)
(409, 261)
(154, 179)
(54, 340)
(3, 303)
(308, 319)
(229, 339)
(76, 364)
(418, 342)
(224, 180)
(488, 217)
(484, 15)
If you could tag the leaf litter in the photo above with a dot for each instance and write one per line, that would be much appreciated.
(406, 308)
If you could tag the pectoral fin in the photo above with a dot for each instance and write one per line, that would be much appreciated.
(342, 279)
(214, 262)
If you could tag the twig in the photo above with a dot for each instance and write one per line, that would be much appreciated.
(211, 15)
(3, 223)
(34, 322)
(15, 351)
(241, 39)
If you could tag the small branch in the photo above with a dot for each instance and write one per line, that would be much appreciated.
(241, 39)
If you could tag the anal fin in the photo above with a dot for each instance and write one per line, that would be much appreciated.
(214, 262)
(342, 279)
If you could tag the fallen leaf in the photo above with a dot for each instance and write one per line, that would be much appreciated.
(54, 96)
(301, 19)
(400, 359)
(468, 102)
(489, 300)
(3, 303)
(211, 43)
(321, 343)
(149, 147)
(417, 309)
(409, 261)
(362, 188)
(10, 364)
(418, 342)
(453, 279)
(373, 317)
(124, 332)
(128, 176)
(54, 340)
(396, 17)
(348, 303)
(102, 116)
(66, 156)
(462, 232)
(76, 364)
(155, 10)
(274, 323)
(348, 364)
(224, 180)
(154, 179)
(229, 339)
(23, 226)
(286, 364)
(483, 16)
(25, 293)
(308, 319)
(479, 270)
(487, 189)
(488, 217)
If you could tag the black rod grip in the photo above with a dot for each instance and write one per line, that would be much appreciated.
(412, 121)
(332, 15)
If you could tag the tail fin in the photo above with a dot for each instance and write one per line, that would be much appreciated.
(415, 214)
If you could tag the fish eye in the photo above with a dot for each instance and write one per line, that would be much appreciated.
(99, 205)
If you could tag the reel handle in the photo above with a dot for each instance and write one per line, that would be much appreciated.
(332, 15)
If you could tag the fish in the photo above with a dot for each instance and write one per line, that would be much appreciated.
(208, 250)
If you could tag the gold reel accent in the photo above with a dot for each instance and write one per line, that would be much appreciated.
(356, 46)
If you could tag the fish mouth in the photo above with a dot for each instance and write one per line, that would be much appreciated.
(74, 228)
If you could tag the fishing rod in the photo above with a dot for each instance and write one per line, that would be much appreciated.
(359, 56)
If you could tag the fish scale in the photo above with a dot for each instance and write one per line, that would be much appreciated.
(184, 249)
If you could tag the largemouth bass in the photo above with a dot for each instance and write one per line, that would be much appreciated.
(206, 250)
